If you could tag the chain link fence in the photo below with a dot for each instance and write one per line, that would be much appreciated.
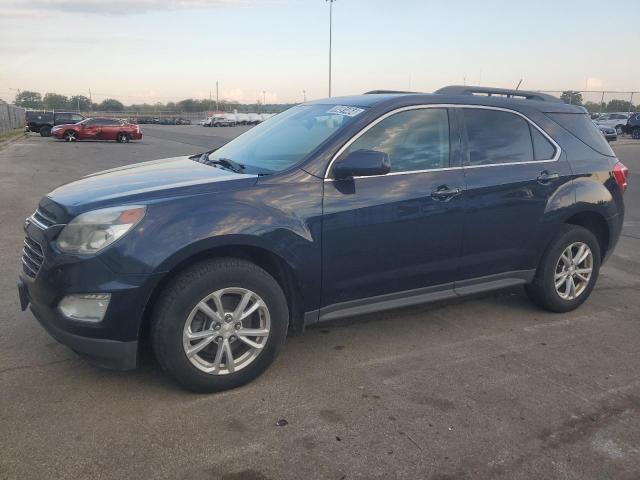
(11, 117)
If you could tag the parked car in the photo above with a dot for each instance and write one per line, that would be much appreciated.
(253, 119)
(614, 120)
(182, 121)
(42, 122)
(633, 126)
(221, 121)
(334, 208)
(98, 129)
(609, 133)
(242, 118)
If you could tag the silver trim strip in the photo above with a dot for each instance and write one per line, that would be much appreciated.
(29, 267)
(46, 217)
(443, 105)
(36, 262)
(41, 226)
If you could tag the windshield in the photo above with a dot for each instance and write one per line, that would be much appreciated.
(287, 138)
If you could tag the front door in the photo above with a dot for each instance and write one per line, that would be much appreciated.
(511, 171)
(398, 232)
(90, 130)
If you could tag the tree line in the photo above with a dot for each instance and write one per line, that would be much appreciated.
(574, 97)
(81, 103)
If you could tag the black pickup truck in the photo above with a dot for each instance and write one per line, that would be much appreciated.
(42, 122)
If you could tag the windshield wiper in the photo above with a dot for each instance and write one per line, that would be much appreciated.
(224, 162)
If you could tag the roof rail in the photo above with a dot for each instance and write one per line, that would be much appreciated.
(503, 92)
(374, 92)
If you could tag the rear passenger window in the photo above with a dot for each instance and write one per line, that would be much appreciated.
(495, 137)
(542, 148)
(414, 140)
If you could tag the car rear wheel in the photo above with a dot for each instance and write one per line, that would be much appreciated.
(636, 133)
(219, 324)
(45, 131)
(123, 137)
(70, 136)
(568, 270)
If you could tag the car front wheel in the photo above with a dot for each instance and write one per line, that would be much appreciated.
(636, 133)
(568, 270)
(70, 136)
(219, 324)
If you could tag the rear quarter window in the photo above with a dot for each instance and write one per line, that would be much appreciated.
(581, 127)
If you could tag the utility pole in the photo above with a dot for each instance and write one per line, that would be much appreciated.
(264, 100)
(217, 108)
(304, 95)
(330, 38)
(90, 100)
(210, 100)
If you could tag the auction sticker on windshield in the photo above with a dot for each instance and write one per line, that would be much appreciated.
(347, 111)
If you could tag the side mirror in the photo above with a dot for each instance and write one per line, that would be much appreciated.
(362, 163)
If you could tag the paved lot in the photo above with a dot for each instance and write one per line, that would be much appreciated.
(488, 387)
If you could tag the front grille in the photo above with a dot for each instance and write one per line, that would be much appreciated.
(43, 218)
(32, 257)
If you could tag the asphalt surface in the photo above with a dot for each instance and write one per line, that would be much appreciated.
(482, 388)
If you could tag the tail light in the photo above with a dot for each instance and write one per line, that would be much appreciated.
(620, 173)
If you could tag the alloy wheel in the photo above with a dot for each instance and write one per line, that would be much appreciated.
(573, 271)
(226, 331)
(70, 136)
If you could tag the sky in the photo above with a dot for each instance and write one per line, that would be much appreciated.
(167, 50)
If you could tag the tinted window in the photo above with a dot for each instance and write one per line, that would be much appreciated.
(76, 118)
(542, 148)
(584, 129)
(414, 140)
(497, 137)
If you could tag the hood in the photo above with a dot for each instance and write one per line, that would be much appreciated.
(146, 181)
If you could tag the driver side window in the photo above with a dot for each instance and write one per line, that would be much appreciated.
(414, 139)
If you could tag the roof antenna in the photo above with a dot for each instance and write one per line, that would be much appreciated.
(519, 83)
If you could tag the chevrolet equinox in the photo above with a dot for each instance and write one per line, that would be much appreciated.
(334, 208)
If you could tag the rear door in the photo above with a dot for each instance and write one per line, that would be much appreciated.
(511, 170)
(397, 233)
(109, 129)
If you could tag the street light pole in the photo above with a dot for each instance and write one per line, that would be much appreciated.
(330, 38)
(304, 95)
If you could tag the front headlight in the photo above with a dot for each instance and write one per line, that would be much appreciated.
(92, 231)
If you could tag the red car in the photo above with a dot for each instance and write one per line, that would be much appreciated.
(98, 129)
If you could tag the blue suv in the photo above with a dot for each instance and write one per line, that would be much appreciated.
(334, 208)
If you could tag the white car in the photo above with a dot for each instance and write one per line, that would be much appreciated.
(615, 120)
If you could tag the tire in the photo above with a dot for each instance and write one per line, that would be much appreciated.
(123, 137)
(70, 136)
(45, 131)
(619, 129)
(636, 133)
(543, 291)
(177, 315)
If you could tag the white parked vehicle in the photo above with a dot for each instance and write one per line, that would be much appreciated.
(615, 120)
(254, 119)
(223, 120)
(242, 118)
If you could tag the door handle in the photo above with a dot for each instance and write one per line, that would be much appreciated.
(443, 193)
(546, 177)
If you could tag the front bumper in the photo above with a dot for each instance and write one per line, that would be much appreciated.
(110, 343)
(105, 353)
